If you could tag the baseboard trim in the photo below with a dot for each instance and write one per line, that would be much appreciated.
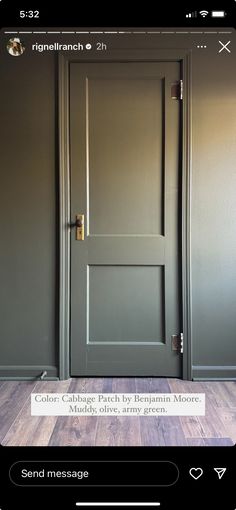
(214, 373)
(28, 372)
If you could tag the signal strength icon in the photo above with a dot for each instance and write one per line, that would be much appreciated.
(191, 14)
(203, 13)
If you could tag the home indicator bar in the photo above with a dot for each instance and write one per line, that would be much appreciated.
(118, 504)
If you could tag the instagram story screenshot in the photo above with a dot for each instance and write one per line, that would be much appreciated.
(118, 256)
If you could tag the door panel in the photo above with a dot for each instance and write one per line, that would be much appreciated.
(124, 130)
(135, 313)
(125, 156)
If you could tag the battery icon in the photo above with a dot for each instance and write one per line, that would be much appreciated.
(218, 14)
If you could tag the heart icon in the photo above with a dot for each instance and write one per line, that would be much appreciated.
(196, 473)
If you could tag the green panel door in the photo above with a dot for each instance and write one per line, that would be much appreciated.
(124, 156)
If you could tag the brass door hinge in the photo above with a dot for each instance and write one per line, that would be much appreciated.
(177, 343)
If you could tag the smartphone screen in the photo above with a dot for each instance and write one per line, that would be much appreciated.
(118, 256)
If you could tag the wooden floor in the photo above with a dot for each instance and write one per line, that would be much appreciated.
(19, 428)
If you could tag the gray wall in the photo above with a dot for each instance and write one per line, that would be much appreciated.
(214, 217)
(28, 327)
(28, 341)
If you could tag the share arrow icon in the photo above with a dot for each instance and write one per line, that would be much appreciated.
(220, 472)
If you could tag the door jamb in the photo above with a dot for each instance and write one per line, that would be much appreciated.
(185, 59)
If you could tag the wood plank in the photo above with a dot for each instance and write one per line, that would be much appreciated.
(13, 395)
(228, 417)
(190, 424)
(207, 426)
(119, 430)
(161, 431)
(179, 386)
(77, 430)
(171, 430)
(230, 387)
(158, 430)
(222, 393)
(210, 441)
(211, 423)
(29, 430)
(152, 385)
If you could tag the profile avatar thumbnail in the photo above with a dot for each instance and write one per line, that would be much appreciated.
(15, 47)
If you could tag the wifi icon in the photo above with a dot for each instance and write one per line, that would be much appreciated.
(204, 13)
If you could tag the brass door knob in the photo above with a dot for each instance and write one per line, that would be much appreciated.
(79, 224)
(78, 221)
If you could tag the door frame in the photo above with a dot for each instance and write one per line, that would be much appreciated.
(145, 55)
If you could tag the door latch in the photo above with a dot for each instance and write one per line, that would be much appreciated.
(79, 227)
